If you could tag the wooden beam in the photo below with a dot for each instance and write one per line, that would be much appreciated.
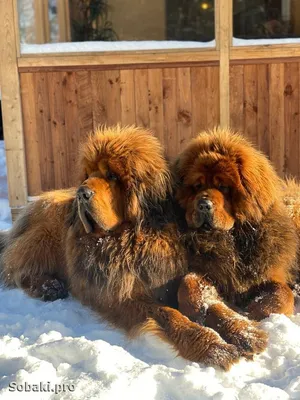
(224, 39)
(117, 58)
(41, 20)
(11, 107)
(46, 24)
(270, 51)
(217, 24)
(63, 16)
(16, 23)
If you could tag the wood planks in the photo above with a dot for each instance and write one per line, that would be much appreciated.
(60, 108)
(265, 106)
(291, 118)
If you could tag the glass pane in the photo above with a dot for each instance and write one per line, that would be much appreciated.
(266, 19)
(26, 21)
(190, 20)
(52, 21)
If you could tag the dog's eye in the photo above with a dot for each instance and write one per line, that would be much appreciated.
(199, 186)
(111, 176)
(224, 189)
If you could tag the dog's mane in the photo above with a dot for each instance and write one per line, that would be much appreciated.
(260, 186)
(143, 252)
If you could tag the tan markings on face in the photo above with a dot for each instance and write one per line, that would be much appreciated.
(222, 217)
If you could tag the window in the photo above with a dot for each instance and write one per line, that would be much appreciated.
(50, 21)
(266, 19)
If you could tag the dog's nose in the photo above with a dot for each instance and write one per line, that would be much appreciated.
(84, 193)
(205, 205)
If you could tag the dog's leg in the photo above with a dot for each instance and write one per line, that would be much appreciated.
(44, 287)
(192, 341)
(199, 300)
(270, 297)
(32, 257)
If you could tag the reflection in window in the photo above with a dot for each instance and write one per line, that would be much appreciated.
(50, 21)
(257, 19)
(190, 20)
(26, 21)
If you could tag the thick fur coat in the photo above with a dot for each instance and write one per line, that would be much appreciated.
(240, 235)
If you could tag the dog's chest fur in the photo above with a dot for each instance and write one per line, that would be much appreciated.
(124, 263)
(231, 260)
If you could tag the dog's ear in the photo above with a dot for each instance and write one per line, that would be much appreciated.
(72, 214)
(261, 186)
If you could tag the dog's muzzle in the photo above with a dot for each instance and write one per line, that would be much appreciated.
(205, 214)
(84, 194)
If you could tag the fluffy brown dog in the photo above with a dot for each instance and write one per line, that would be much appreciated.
(113, 244)
(242, 243)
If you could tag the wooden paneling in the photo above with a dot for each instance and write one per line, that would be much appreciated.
(237, 97)
(43, 135)
(250, 102)
(264, 105)
(60, 108)
(31, 124)
(291, 121)
(170, 110)
(199, 93)
(184, 105)
(205, 91)
(141, 97)
(127, 94)
(263, 135)
(83, 92)
(155, 98)
(276, 116)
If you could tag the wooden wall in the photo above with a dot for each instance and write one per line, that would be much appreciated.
(264, 104)
(61, 107)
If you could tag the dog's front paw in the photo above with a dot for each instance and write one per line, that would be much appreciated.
(245, 335)
(222, 355)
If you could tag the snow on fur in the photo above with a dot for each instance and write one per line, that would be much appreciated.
(65, 343)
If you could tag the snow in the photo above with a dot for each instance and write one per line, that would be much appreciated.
(264, 42)
(77, 47)
(5, 216)
(65, 343)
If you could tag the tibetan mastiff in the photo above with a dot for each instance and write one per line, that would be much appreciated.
(113, 243)
(241, 240)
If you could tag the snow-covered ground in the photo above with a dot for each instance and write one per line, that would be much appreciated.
(58, 343)
(5, 216)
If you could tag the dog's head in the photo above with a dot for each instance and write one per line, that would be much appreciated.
(122, 171)
(221, 179)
